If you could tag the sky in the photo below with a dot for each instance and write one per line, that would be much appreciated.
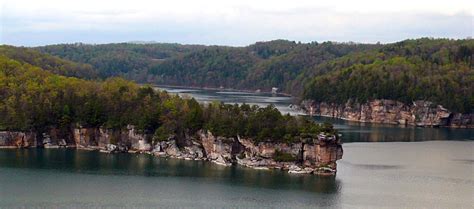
(229, 22)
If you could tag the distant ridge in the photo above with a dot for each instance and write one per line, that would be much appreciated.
(438, 70)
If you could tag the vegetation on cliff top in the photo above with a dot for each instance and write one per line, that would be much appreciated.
(35, 99)
(438, 70)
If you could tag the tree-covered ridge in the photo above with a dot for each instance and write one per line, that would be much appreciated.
(282, 71)
(441, 71)
(211, 67)
(34, 99)
(48, 62)
(262, 65)
(121, 58)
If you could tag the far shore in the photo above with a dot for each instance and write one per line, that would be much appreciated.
(217, 89)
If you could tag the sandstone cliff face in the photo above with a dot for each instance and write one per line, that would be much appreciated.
(316, 156)
(419, 113)
(17, 139)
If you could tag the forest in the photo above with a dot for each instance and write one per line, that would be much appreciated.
(35, 99)
(438, 70)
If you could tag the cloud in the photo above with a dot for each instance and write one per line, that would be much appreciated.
(230, 22)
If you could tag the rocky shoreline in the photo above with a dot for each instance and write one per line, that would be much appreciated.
(419, 113)
(310, 156)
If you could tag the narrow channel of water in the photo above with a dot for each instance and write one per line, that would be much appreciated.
(352, 131)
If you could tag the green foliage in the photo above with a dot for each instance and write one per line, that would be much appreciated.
(48, 62)
(35, 99)
(440, 71)
(126, 59)
(259, 124)
(280, 156)
(162, 134)
(262, 65)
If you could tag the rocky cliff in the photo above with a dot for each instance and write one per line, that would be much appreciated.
(313, 155)
(419, 113)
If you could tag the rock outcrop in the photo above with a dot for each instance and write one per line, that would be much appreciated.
(419, 113)
(13, 139)
(318, 155)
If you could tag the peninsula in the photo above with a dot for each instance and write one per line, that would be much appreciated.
(41, 108)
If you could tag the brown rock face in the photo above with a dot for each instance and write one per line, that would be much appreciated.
(217, 149)
(100, 138)
(17, 139)
(323, 154)
(316, 156)
(420, 113)
(85, 137)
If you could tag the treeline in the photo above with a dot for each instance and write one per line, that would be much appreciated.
(262, 65)
(438, 70)
(48, 62)
(121, 58)
(33, 99)
(441, 71)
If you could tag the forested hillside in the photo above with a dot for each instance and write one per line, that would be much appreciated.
(119, 59)
(441, 71)
(262, 65)
(34, 99)
(438, 70)
(48, 62)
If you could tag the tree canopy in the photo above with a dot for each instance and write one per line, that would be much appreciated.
(439, 70)
(34, 99)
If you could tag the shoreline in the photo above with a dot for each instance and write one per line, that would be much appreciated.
(217, 89)
(239, 162)
(387, 124)
(303, 111)
(421, 113)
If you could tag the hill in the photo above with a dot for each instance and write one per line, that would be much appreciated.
(48, 62)
(441, 71)
(37, 100)
(438, 70)
(121, 58)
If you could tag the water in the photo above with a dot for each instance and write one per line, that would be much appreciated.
(393, 174)
(351, 131)
(436, 174)
(231, 97)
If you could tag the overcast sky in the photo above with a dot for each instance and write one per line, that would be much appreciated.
(221, 22)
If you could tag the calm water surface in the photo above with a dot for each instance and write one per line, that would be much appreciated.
(352, 131)
(413, 168)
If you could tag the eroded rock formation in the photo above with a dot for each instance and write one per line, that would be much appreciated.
(17, 139)
(419, 113)
(318, 155)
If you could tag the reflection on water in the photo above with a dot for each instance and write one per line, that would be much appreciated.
(92, 162)
(233, 97)
(435, 174)
(66, 178)
(351, 131)
(369, 132)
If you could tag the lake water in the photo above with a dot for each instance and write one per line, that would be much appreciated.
(352, 131)
(412, 168)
